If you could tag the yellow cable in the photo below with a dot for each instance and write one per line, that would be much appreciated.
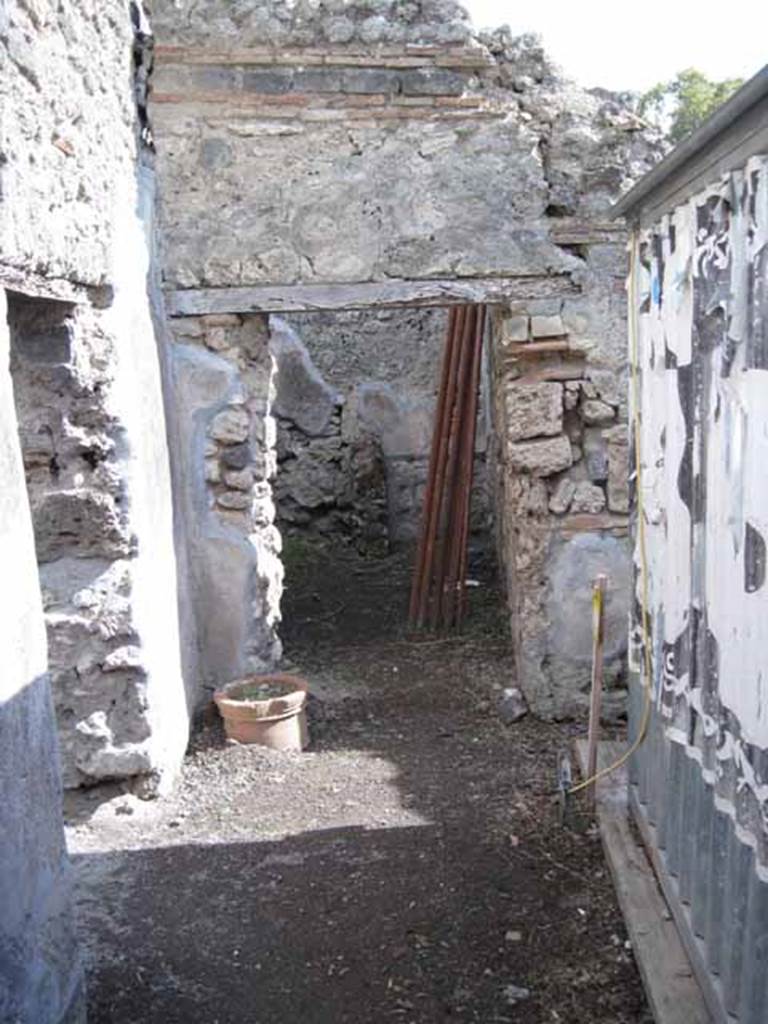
(647, 663)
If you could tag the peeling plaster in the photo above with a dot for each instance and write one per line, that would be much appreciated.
(702, 295)
(702, 302)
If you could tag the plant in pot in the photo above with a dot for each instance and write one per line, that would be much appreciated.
(266, 709)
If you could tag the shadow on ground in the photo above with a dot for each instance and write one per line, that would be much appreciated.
(409, 867)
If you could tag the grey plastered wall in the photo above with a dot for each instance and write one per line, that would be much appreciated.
(40, 973)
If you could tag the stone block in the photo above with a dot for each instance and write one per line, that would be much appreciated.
(84, 521)
(340, 30)
(320, 80)
(230, 426)
(215, 79)
(534, 410)
(237, 456)
(618, 471)
(588, 497)
(370, 81)
(547, 326)
(596, 413)
(270, 81)
(611, 386)
(432, 82)
(233, 500)
(514, 329)
(541, 458)
(239, 480)
(562, 496)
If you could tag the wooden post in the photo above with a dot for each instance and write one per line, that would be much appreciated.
(598, 643)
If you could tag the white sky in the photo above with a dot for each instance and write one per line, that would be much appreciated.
(633, 46)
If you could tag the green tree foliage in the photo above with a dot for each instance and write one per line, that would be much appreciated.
(681, 105)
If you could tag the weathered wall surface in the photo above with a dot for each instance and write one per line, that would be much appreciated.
(58, 164)
(72, 224)
(563, 482)
(702, 324)
(402, 154)
(342, 172)
(41, 977)
(222, 374)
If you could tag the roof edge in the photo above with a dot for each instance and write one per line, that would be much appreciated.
(742, 100)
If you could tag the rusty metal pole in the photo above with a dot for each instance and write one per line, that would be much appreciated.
(433, 500)
(598, 643)
(429, 492)
(455, 527)
(447, 519)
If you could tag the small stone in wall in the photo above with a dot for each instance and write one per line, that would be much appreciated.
(541, 458)
(234, 500)
(597, 413)
(536, 499)
(239, 480)
(596, 455)
(124, 658)
(237, 456)
(533, 410)
(547, 326)
(231, 426)
(217, 339)
(618, 469)
(588, 497)
(212, 471)
(561, 499)
(514, 329)
(611, 386)
(571, 396)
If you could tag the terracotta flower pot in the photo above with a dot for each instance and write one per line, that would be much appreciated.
(277, 720)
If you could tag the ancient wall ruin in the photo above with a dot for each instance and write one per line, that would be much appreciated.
(76, 213)
(362, 160)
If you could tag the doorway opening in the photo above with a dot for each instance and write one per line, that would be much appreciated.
(355, 408)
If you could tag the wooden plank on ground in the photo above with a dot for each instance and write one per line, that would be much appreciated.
(670, 984)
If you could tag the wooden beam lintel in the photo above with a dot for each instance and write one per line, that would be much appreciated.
(296, 298)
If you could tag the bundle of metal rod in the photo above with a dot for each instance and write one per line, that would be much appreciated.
(438, 594)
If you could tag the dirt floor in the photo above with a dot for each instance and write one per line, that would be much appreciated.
(409, 867)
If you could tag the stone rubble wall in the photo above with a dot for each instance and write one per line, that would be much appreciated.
(41, 978)
(74, 225)
(563, 478)
(411, 157)
(67, 130)
(307, 22)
